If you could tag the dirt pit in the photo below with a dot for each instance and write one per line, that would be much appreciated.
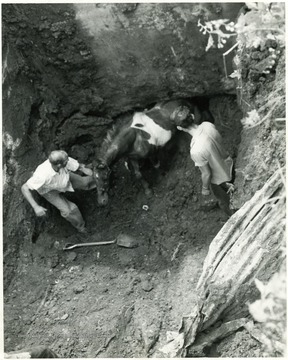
(110, 301)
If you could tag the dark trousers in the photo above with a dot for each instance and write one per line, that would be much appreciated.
(220, 192)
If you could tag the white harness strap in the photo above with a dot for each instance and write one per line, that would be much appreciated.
(158, 135)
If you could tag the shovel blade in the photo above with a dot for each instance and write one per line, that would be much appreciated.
(126, 241)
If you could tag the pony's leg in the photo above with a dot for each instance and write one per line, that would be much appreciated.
(154, 158)
(138, 175)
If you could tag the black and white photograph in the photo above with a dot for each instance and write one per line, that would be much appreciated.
(144, 180)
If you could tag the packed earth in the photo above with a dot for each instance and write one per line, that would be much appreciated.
(108, 300)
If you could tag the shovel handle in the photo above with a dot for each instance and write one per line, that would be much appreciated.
(73, 246)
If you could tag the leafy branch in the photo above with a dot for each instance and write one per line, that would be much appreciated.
(214, 27)
(262, 22)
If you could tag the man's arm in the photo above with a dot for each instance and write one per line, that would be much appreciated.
(188, 130)
(27, 193)
(74, 165)
(206, 178)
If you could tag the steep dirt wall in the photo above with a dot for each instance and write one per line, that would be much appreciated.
(153, 49)
(263, 148)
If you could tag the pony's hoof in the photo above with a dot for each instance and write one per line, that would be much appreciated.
(156, 165)
(148, 192)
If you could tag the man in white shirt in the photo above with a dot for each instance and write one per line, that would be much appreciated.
(54, 177)
(215, 164)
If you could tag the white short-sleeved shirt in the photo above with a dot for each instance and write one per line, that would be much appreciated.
(207, 148)
(45, 178)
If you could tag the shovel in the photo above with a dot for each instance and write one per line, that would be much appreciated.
(121, 240)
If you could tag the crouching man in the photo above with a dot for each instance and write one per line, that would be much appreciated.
(52, 179)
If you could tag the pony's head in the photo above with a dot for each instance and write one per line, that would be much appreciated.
(101, 173)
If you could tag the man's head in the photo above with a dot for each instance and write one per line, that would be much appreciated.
(58, 159)
(182, 116)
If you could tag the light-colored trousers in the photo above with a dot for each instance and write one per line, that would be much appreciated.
(68, 209)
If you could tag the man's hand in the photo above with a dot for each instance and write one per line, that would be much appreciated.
(40, 211)
(88, 172)
(183, 129)
(231, 188)
(85, 170)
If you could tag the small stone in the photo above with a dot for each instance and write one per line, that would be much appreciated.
(64, 317)
(71, 256)
(129, 291)
(78, 289)
(84, 52)
(57, 244)
(146, 285)
(54, 261)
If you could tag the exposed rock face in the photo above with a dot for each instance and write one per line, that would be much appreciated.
(263, 151)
